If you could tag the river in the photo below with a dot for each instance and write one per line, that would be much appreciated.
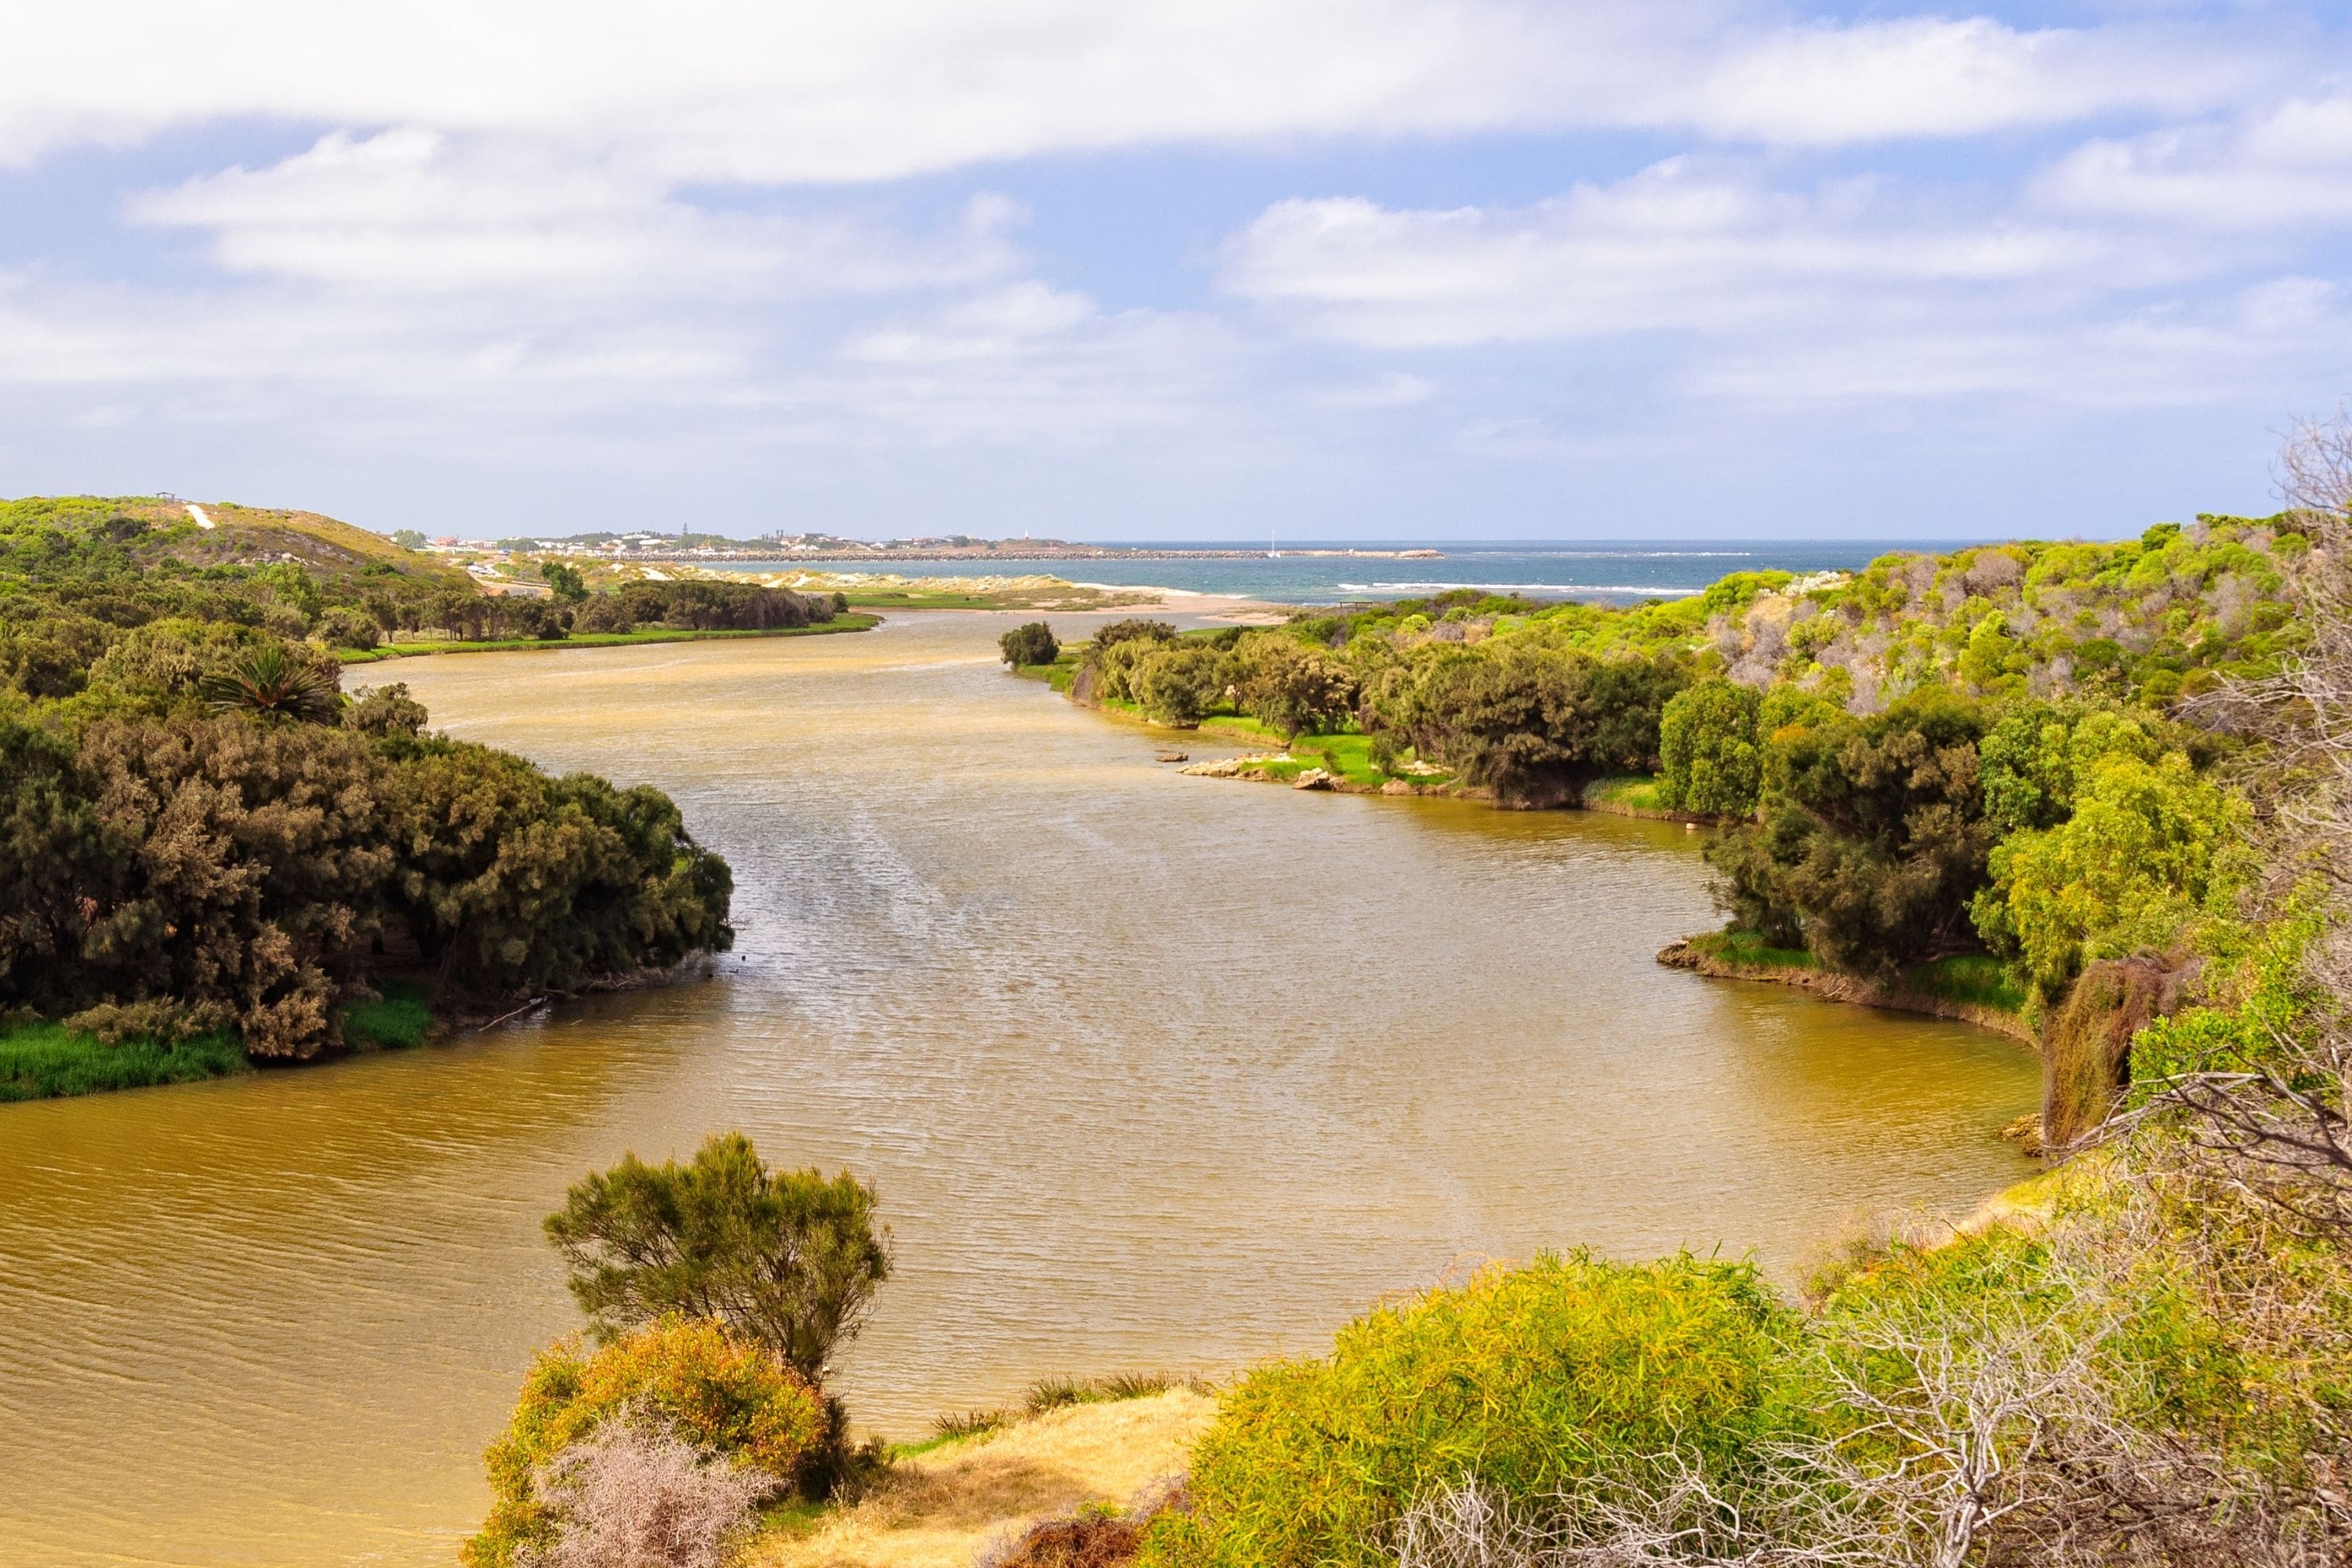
(1153, 1071)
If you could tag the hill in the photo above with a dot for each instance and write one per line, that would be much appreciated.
(237, 536)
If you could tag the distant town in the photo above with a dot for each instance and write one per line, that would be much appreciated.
(643, 545)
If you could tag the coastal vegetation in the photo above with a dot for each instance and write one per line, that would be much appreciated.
(1993, 752)
(717, 1292)
(211, 853)
(2098, 788)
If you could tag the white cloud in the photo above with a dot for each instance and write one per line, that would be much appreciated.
(1766, 296)
(2285, 167)
(413, 212)
(731, 91)
(1681, 246)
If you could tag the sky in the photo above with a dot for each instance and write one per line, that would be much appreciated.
(1318, 269)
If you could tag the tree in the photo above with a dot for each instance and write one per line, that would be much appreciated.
(787, 1259)
(1872, 835)
(1180, 682)
(1289, 686)
(565, 579)
(1525, 718)
(1030, 644)
(1709, 759)
(408, 539)
(2127, 871)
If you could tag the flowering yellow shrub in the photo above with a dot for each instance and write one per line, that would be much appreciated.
(690, 1376)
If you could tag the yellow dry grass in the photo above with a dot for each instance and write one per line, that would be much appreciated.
(939, 1509)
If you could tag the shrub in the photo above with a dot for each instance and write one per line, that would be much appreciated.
(1134, 629)
(1708, 756)
(349, 628)
(633, 1497)
(1872, 838)
(1526, 1380)
(1289, 686)
(1180, 682)
(786, 1258)
(2126, 872)
(729, 1399)
(1032, 644)
(604, 613)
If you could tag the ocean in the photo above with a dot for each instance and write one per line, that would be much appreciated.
(1605, 570)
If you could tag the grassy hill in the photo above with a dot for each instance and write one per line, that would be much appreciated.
(241, 536)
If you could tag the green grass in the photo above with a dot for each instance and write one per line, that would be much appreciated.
(1632, 792)
(849, 623)
(1970, 978)
(1346, 757)
(1748, 947)
(395, 1020)
(40, 1060)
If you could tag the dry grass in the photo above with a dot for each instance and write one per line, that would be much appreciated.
(939, 1509)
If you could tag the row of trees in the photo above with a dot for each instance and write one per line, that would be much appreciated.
(164, 874)
(200, 831)
(1525, 719)
(2049, 833)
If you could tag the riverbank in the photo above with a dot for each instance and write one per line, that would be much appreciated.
(850, 622)
(43, 1059)
(945, 1503)
(1971, 988)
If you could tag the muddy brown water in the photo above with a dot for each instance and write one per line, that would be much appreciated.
(1153, 1071)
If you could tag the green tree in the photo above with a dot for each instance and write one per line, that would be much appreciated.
(565, 579)
(1179, 682)
(2034, 756)
(2144, 849)
(1289, 686)
(1709, 758)
(1031, 645)
(1872, 838)
(788, 1259)
(408, 539)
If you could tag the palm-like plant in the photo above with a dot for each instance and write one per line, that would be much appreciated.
(265, 680)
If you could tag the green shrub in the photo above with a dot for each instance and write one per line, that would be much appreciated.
(1178, 683)
(721, 1395)
(1524, 1380)
(1030, 644)
(1708, 756)
(788, 1259)
(1289, 686)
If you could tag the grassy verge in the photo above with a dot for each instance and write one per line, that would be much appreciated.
(1970, 980)
(1749, 947)
(847, 623)
(1631, 792)
(41, 1061)
(1972, 977)
(397, 1018)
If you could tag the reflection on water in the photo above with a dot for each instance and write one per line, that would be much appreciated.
(1153, 1071)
